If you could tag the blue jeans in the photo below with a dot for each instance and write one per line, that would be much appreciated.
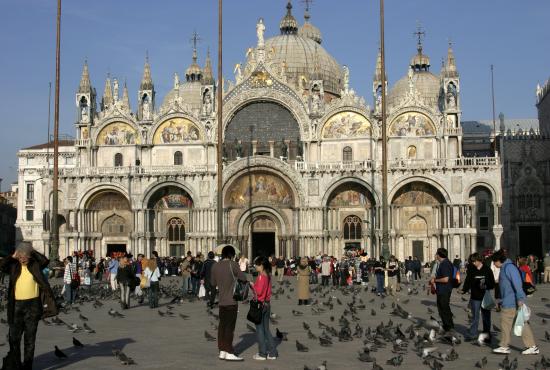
(195, 284)
(70, 294)
(485, 316)
(186, 284)
(380, 283)
(266, 344)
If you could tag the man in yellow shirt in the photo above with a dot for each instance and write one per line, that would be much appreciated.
(30, 298)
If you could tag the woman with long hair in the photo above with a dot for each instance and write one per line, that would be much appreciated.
(152, 274)
(262, 292)
(125, 277)
(302, 274)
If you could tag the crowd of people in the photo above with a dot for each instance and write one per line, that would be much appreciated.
(493, 281)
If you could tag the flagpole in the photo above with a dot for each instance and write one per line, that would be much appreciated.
(54, 247)
(219, 167)
(385, 229)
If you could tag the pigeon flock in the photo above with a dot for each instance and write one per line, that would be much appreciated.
(368, 331)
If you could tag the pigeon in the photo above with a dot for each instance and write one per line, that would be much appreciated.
(77, 343)
(325, 341)
(310, 335)
(505, 363)
(297, 313)
(375, 366)
(209, 337)
(88, 329)
(482, 363)
(547, 336)
(366, 357)
(306, 326)
(83, 318)
(185, 317)
(301, 348)
(280, 335)
(59, 354)
(125, 360)
(395, 361)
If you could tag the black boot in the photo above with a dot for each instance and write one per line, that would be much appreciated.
(299, 302)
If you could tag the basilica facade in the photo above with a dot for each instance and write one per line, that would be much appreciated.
(302, 161)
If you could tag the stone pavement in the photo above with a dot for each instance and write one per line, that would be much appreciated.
(157, 342)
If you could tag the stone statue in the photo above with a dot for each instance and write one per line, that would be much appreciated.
(207, 103)
(315, 103)
(208, 128)
(451, 99)
(84, 117)
(238, 148)
(176, 81)
(468, 216)
(346, 78)
(299, 148)
(284, 149)
(411, 82)
(115, 90)
(238, 73)
(146, 110)
(379, 99)
(260, 29)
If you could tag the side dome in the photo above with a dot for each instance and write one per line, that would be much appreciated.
(188, 93)
(426, 84)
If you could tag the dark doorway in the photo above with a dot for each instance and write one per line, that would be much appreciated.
(263, 244)
(116, 250)
(530, 240)
(418, 250)
(177, 250)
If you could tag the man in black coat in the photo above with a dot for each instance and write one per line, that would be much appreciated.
(210, 297)
(30, 298)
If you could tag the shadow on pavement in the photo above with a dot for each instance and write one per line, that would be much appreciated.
(48, 361)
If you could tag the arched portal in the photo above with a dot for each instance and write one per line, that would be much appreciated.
(481, 201)
(351, 219)
(108, 214)
(168, 212)
(415, 217)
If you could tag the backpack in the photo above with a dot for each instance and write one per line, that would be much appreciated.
(528, 287)
(456, 279)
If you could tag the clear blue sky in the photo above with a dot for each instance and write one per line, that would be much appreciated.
(114, 35)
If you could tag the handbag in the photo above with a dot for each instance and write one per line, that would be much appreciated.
(255, 312)
(240, 288)
(488, 303)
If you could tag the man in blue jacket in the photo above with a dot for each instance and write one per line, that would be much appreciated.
(513, 297)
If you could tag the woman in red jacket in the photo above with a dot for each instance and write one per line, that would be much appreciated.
(262, 290)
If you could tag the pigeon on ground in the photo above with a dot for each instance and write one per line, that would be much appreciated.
(88, 329)
(209, 337)
(297, 313)
(185, 317)
(325, 341)
(280, 335)
(366, 357)
(83, 318)
(77, 343)
(125, 360)
(395, 361)
(301, 348)
(481, 363)
(59, 354)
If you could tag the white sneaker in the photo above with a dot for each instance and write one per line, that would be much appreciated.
(259, 357)
(223, 354)
(482, 338)
(531, 351)
(269, 357)
(502, 350)
(232, 357)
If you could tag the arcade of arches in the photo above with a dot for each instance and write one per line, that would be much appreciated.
(264, 217)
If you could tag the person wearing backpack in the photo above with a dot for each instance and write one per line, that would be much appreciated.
(443, 281)
(513, 298)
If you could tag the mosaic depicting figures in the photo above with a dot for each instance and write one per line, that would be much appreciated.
(350, 195)
(108, 201)
(417, 194)
(174, 201)
(176, 131)
(118, 133)
(346, 125)
(412, 125)
(265, 188)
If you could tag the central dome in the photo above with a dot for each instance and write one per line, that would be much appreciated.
(305, 57)
(301, 52)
